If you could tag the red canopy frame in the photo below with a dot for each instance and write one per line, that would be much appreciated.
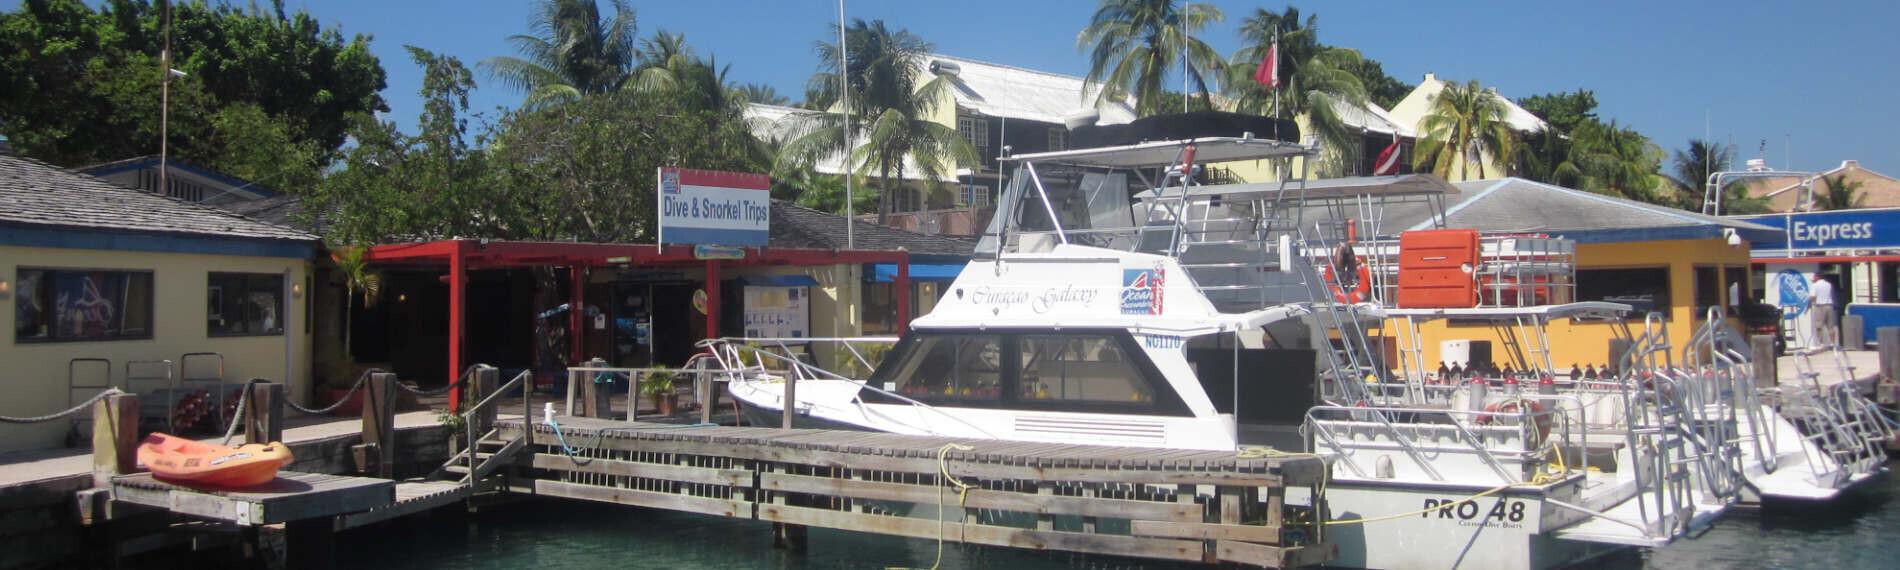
(461, 256)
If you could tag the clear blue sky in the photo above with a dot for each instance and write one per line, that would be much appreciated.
(1820, 73)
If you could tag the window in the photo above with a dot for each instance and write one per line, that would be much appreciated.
(1058, 138)
(951, 368)
(1079, 368)
(880, 309)
(241, 304)
(55, 305)
(975, 131)
(1728, 289)
(1644, 289)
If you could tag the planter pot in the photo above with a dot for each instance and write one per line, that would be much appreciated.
(664, 403)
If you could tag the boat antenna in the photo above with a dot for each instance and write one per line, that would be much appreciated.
(844, 104)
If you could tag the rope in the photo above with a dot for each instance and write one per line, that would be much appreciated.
(61, 414)
(444, 389)
(244, 395)
(339, 403)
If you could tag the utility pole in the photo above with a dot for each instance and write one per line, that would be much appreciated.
(844, 101)
(165, 103)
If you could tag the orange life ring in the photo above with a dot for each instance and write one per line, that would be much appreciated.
(1515, 406)
(1358, 291)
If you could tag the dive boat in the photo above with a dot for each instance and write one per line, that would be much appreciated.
(1119, 300)
(182, 460)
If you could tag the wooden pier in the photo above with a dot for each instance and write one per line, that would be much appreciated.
(1203, 506)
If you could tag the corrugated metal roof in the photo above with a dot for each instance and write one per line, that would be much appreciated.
(998, 90)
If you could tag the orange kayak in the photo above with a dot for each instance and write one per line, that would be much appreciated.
(182, 460)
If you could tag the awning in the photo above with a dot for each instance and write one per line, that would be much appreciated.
(887, 272)
(778, 280)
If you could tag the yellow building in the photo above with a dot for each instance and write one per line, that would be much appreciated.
(91, 270)
(1655, 258)
(1418, 104)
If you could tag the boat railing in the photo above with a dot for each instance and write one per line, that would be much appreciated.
(731, 355)
(1513, 445)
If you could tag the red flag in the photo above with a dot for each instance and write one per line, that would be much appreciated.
(1268, 73)
(1388, 163)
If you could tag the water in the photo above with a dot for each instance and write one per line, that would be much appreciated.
(1862, 531)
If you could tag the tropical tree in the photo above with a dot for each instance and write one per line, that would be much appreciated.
(1693, 167)
(1842, 194)
(1463, 128)
(762, 94)
(1609, 159)
(1134, 44)
(891, 101)
(352, 264)
(570, 52)
(1316, 81)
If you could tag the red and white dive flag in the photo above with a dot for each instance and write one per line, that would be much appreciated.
(1268, 73)
(1388, 163)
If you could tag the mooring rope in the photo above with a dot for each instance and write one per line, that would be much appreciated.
(963, 496)
(244, 395)
(339, 403)
(61, 414)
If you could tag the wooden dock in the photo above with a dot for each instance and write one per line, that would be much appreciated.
(1184, 505)
(290, 497)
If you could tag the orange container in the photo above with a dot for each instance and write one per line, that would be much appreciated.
(1435, 269)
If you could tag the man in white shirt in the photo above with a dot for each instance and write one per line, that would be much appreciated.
(1827, 323)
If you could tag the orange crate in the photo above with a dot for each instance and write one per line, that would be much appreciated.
(1435, 269)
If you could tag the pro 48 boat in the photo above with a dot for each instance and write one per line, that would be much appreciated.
(1125, 296)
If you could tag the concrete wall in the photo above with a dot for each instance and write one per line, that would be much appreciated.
(1588, 342)
(36, 373)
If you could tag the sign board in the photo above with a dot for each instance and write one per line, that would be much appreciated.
(1841, 229)
(713, 207)
(703, 251)
(777, 311)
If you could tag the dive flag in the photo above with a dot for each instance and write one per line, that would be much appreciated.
(1388, 163)
(1268, 73)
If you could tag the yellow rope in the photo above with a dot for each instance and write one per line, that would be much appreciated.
(963, 495)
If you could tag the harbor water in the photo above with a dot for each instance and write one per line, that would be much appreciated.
(1861, 531)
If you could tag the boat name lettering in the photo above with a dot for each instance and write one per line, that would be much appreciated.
(1504, 511)
(1042, 303)
(1160, 341)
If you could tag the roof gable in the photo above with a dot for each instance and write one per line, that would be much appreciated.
(41, 195)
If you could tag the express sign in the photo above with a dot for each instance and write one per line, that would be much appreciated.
(1847, 229)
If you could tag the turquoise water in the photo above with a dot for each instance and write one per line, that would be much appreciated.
(1860, 532)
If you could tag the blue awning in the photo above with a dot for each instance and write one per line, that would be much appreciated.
(778, 280)
(887, 272)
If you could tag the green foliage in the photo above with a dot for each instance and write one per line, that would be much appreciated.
(1610, 159)
(1464, 125)
(1134, 44)
(571, 52)
(1841, 194)
(892, 100)
(762, 94)
(80, 85)
(1565, 111)
(1316, 81)
(825, 193)
(656, 384)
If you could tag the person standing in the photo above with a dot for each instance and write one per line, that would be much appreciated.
(1827, 323)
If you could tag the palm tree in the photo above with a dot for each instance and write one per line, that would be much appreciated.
(1134, 44)
(892, 98)
(572, 52)
(352, 263)
(1842, 194)
(762, 94)
(1463, 126)
(1316, 80)
(1610, 159)
(1692, 168)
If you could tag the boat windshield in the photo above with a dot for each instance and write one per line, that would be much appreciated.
(1099, 370)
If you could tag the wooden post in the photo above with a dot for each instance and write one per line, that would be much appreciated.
(1767, 364)
(791, 401)
(1853, 332)
(1886, 388)
(590, 395)
(115, 437)
(487, 380)
(264, 412)
(376, 455)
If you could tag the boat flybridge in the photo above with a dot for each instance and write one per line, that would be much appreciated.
(1136, 296)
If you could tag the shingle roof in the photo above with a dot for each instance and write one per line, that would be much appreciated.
(35, 193)
(798, 226)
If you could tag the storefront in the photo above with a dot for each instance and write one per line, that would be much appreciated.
(1858, 251)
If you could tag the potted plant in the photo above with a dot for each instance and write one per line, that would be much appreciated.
(658, 387)
(352, 265)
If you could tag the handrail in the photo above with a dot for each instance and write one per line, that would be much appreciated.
(801, 367)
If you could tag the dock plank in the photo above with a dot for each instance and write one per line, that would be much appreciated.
(292, 496)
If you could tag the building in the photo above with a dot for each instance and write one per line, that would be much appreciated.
(93, 270)
(1417, 105)
(1799, 193)
(183, 180)
(1656, 258)
(1858, 251)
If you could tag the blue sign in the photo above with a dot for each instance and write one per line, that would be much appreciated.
(1794, 292)
(1141, 291)
(1844, 229)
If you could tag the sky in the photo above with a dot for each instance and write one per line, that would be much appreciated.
(1814, 80)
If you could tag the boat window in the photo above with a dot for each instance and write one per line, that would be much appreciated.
(1079, 368)
(951, 368)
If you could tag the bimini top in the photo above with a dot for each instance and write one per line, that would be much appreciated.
(1397, 185)
(1163, 153)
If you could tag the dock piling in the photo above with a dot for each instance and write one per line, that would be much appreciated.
(376, 455)
(264, 412)
(115, 437)
(1767, 369)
